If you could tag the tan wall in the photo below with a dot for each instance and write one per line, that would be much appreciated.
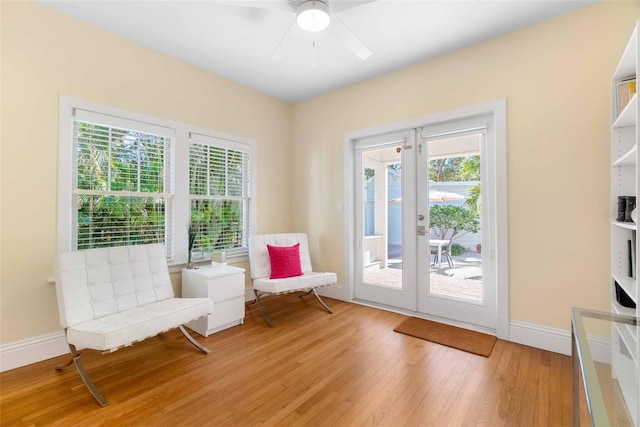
(46, 54)
(555, 77)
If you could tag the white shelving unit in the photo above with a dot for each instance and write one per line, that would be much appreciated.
(625, 181)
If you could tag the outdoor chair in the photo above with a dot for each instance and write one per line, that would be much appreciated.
(445, 252)
(280, 264)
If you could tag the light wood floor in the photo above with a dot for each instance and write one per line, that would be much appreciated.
(312, 368)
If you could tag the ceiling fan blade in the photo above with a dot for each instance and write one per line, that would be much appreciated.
(278, 53)
(340, 5)
(339, 30)
(286, 5)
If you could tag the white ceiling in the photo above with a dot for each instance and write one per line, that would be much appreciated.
(236, 40)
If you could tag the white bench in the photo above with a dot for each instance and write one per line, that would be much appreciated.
(114, 297)
(260, 263)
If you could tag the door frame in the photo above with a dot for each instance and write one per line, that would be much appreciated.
(498, 110)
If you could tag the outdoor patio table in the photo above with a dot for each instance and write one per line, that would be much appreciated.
(436, 243)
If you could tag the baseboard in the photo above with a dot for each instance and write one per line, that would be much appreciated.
(532, 335)
(334, 291)
(544, 337)
(32, 350)
(556, 340)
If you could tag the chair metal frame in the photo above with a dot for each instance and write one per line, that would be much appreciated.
(260, 294)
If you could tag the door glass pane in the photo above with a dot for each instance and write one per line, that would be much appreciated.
(382, 222)
(455, 235)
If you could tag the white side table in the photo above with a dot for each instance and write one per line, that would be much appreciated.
(224, 284)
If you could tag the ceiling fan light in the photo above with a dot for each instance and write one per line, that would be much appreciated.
(313, 15)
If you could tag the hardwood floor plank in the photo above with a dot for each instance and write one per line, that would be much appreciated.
(487, 393)
(530, 387)
(469, 392)
(407, 385)
(312, 368)
(518, 370)
(543, 404)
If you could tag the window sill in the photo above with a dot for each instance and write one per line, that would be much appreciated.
(231, 259)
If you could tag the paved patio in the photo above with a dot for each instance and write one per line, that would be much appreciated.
(464, 280)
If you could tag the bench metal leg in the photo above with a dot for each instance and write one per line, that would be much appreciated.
(87, 381)
(66, 365)
(193, 340)
(83, 374)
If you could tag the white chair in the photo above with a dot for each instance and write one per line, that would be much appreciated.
(113, 297)
(444, 252)
(262, 268)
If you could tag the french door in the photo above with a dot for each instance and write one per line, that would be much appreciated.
(463, 286)
(385, 217)
(425, 239)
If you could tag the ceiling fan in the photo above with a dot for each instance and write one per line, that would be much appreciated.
(317, 16)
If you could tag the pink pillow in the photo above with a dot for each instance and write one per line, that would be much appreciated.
(285, 261)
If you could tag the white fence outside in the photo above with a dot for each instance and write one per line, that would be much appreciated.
(394, 209)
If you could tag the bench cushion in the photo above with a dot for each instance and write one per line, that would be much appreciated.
(115, 330)
(307, 281)
(94, 283)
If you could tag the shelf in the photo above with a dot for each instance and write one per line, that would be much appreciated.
(629, 285)
(625, 368)
(627, 159)
(627, 65)
(630, 341)
(624, 311)
(628, 116)
(627, 225)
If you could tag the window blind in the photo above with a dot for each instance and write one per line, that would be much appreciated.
(122, 182)
(219, 188)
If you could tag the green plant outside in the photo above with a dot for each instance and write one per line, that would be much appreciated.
(457, 249)
(449, 222)
(119, 160)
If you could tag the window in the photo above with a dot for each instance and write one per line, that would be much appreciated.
(122, 176)
(127, 178)
(219, 190)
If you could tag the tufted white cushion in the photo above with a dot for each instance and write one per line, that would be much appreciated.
(261, 265)
(259, 255)
(112, 297)
(293, 284)
(127, 327)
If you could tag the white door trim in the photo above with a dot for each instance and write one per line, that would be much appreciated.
(498, 108)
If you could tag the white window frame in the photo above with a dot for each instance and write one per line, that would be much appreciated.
(167, 193)
(181, 199)
(246, 189)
